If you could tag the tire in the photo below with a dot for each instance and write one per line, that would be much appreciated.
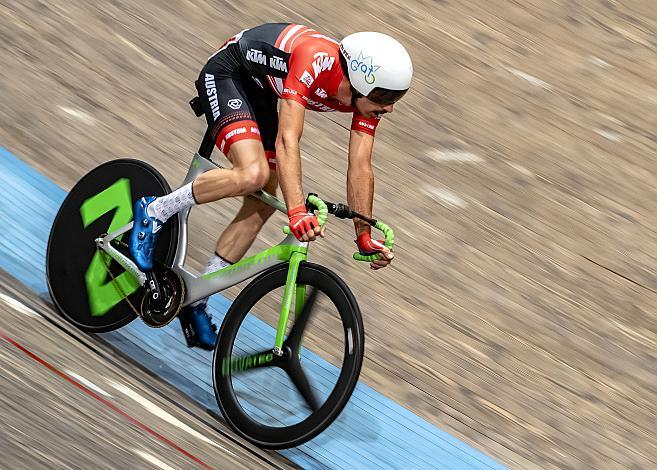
(101, 202)
(340, 297)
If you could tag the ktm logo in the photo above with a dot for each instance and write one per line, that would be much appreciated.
(277, 63)
(256, 56)
(322, 62)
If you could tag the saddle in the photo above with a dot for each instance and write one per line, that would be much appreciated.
(195, 104)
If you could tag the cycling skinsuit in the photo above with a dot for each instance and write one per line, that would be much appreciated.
(240, 85)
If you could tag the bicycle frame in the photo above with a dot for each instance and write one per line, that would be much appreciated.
(198, 287)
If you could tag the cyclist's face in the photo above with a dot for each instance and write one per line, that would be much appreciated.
(371, 109)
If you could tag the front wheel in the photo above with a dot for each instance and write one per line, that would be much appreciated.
(283, 401)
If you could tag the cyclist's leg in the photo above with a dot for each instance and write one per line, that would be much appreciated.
(238, 237)
(236, 133)
(240, 234)
(249, 174)
(229, 109)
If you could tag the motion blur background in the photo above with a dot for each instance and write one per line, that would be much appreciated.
(518, 172)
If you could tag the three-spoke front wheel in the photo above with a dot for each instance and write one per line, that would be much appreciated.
(281, 401)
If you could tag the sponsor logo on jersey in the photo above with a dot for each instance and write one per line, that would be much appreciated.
(366, 124)
(255, 130)
(234, 132)
(322, 62)
(277, 63)
(254, 55)
(321, 92)
(289, 91)
(365, 66)
(321, 107)
(306, 79)
(235, 103)
(211, 90)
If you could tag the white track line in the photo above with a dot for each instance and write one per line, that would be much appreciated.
(160, 413)
(88, 383)
(455, 156)
(19, 307)
(445, 197)
(599, 62)
(152, 459)
(79, 115)
(608, 135)
(138, 50)
(531, 79)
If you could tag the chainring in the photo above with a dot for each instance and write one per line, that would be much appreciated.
(173, 291)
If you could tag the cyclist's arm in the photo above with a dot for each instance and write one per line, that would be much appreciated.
(360, 178)
(288, 154)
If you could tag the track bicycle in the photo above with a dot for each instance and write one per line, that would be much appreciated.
(290, 347)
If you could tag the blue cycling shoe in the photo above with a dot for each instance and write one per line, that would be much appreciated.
(198, 327)
(144, 235)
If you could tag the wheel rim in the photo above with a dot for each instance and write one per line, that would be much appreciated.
(262, 402)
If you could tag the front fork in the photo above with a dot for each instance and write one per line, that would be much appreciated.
(286, 304)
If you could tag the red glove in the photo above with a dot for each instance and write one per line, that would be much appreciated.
(367, 246)
(301, 221)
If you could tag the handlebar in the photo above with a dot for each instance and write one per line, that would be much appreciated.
(343, 211)
(314, 201)
(389, 242)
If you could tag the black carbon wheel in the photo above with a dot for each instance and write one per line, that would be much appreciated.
(281, 402)
(76, 272)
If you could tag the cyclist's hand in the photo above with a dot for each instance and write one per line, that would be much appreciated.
(367, 246)
(303, 224)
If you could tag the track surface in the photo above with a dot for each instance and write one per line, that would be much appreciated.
(519, 171)
(69, 403)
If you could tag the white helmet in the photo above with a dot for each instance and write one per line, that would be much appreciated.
(379, 67)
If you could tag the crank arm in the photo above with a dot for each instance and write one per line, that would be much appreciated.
(104, 243)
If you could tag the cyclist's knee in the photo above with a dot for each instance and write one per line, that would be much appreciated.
(254, 177)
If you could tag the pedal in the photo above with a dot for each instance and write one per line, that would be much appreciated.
(190, 336)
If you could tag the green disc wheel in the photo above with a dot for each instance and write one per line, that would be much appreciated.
(80, 286)
(283, 401)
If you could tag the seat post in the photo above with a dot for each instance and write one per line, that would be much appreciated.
(207, 144)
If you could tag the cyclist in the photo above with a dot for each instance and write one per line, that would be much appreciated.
(239, 89)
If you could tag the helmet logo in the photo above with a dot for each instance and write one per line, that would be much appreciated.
(345, 52)
(364, 64)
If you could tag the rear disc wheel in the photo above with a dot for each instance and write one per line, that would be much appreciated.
(82, 289)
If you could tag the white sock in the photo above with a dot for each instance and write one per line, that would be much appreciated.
(163, 207)
(214, 264)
